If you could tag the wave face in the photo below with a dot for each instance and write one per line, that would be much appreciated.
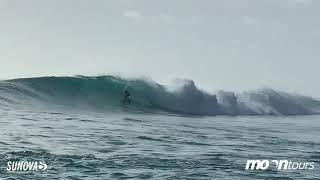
(106, 92)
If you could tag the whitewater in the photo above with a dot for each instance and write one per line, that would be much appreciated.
(81, 129)
(106, 92)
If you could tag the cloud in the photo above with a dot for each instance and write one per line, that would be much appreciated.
(249, 20)
(132, 14)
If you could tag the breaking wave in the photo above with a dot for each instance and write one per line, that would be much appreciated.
(106, 92)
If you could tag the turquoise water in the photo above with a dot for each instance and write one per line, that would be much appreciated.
(82, 132)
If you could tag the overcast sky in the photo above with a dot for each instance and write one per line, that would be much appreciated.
(221, 44)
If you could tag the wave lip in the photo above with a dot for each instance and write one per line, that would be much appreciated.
(106, 92)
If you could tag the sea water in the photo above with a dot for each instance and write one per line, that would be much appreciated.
(143, 146)
(88, 142)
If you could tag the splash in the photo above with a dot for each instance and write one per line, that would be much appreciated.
(106, 92)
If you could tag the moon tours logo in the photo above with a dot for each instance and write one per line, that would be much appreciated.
(279, 165)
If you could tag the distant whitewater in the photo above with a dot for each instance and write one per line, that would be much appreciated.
(106, 92)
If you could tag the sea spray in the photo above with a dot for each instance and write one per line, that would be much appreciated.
(106, 92)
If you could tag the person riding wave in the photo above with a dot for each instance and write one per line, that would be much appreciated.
(126, 97)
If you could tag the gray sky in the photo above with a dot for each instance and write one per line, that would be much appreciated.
(221, 44)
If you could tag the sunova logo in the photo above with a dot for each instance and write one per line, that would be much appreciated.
(279, 164)
(26, 166)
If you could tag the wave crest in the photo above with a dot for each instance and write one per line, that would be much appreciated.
(107, 91)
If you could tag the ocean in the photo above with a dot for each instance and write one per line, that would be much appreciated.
(81, 129)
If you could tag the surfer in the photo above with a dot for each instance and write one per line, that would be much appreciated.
(126, 97)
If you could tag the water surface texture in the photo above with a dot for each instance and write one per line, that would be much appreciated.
(85, 133)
